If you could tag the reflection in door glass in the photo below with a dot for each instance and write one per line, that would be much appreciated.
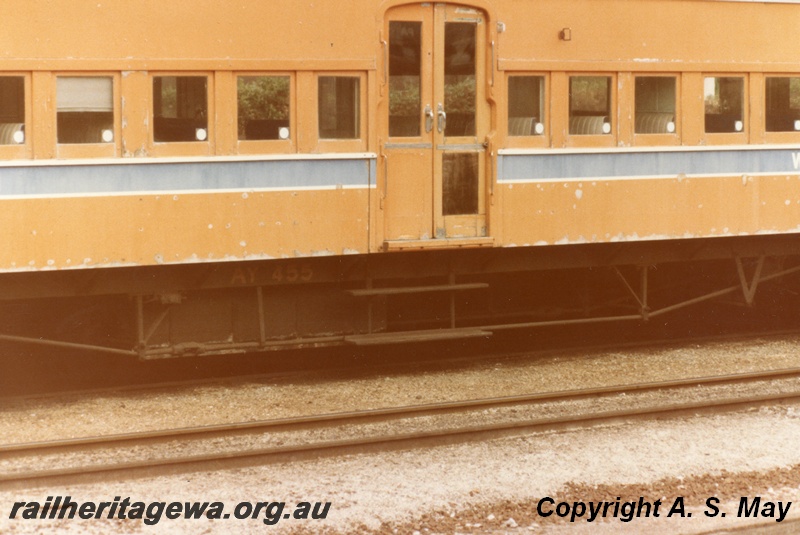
(459, 78)
(459, 183)
(405, 45)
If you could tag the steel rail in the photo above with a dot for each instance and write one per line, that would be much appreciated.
(789, 525)
(351, 417)
(397, 412)
(394, 439)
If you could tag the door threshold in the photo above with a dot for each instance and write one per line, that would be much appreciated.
(438, 243)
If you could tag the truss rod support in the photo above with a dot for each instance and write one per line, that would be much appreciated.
(142, 341)
(749, 288)
(641, 297)
(644, 288)
(262, 323)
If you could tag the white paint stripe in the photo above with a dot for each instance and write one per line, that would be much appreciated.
(167, 193)
(650, 149)
(190, 159)
(642, 177)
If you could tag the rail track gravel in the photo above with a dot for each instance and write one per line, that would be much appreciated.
(414, 489)
(408, 426)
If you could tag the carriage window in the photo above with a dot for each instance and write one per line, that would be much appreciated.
(783, 104)
(590, 105)
(405, 67)
(12, 110)
(339, 107)
(724, 103)
(526, 105)
(460, 83)
(263, 107)
(85, 109)
(180, 108)
(655, 98)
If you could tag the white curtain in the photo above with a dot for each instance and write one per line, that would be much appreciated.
(95, 94)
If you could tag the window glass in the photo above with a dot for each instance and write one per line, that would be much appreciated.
(405, 66)
(590, 105)
(525, 105)
(460, 179)
(12, 110)
(460, 82)
(783, 104)
(85, 109)
(180, 108)
(264, 107)
(655, 98)
(724, 104)
(339, 107)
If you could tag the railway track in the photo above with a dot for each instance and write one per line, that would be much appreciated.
(787, 527)
(405, 426)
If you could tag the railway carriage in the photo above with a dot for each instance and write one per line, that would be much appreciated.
(193, 178)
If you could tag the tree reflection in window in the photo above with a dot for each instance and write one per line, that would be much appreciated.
(263, 103)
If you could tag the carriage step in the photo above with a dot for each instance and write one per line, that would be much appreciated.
(369, 292)
(416, 336)
(438, 243)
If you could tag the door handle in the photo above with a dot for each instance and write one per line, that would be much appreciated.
(442, 123)
(428, 118)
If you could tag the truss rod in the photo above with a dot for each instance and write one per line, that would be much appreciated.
(67, 345)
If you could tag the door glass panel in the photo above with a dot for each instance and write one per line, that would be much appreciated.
(460, 183)
(459, 78)
(405, 67)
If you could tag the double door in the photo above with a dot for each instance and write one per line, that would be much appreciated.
(436, 118)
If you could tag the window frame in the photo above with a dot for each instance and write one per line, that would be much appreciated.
(23, 150)
(594, 140)
(358, 144)
(261, 146)
(90, 150)
(182, 148)
(660, 139)
(778, 137)
(529, 141)
(728, 138)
